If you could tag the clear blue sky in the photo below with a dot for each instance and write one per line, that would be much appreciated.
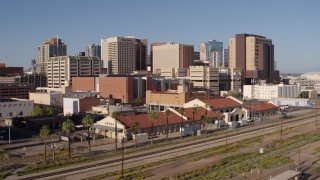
(293, 25)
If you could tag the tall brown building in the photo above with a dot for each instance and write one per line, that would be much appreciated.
(141, 47)
(255, 55)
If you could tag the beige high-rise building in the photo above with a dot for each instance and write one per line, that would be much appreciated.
(118, 55)
(255, 55)
(171, 55)
(205, 77)
(61, 69)
(50, 48)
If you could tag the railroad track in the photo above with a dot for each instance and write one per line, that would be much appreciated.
(183, 146)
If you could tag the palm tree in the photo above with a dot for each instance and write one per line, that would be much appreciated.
(136, 129)
(116, 115)
(168, 112)
(68, 127)
(152, 116)
(207, 107)
(44, 134)
(181, 111)
(87, 122)
(194, 111)
(205, 120)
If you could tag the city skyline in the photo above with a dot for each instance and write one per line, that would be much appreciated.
(290, 24)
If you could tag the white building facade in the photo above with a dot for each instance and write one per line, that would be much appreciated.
(267, 92)
(61, 69)
(13, 107)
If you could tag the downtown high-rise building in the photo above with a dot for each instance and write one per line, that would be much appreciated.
(253, 54)
(123, 55)
(171, 55)
(50, 48)
(141, 48)
(93, 50)
(61, 69)
(212, 51)
(225, 57)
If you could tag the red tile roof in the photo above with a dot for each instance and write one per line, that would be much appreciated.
(200, 114)
(145, 122)
(261, 107)
(219, 103)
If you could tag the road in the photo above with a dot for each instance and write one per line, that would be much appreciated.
(158, 154)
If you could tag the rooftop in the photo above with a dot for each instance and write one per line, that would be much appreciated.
(145, 122)
(261, 107)
(200, 114)
(218, 103)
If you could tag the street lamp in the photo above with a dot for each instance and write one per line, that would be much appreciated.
(8, 122)
(261, 151)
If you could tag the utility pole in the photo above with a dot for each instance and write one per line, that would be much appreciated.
(226, 139)
(122, 159)
(299, 159)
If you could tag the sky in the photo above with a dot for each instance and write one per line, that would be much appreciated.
(293, 25)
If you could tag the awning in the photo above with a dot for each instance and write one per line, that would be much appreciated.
(97, 126)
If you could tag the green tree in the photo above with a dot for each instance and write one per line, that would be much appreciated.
(87, 123)
(207, 106)
(181, 111)
(68, 127)
(168, 112)
(205, 120)
(194, 112)
(136, 130)
(138, 102)
(153, 116)
(44, 134)
(51, 112)
(37, 111)
(116, 115)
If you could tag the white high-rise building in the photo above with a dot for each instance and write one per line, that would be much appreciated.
(118, 55)
(61, 69)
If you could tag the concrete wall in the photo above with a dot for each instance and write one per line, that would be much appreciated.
(15, 107)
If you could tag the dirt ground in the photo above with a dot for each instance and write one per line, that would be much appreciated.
(307, 158)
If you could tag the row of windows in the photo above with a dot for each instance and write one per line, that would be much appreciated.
(12, 105)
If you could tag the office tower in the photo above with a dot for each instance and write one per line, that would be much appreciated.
(196, 56)
(205, 78)
(226, 57)
(93, 50)
(118, 55)
(212, 51)
(171, 55)
(141, 48)
(50, 48)
(255, 55)
(151, 53)
(61, 69)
